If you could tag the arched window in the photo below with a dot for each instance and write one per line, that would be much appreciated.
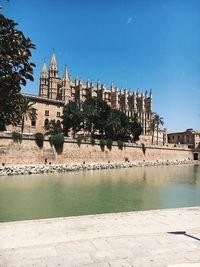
(33, 123)
(46, 122)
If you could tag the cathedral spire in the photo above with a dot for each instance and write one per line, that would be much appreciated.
(150, 93)
(146, 94)
(44, 68)
(66, 74)
(43, 89)
(66, 77)
(53, 60)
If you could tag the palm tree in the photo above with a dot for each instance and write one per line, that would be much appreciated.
(113, 123)
(153, 126)
(27, 111)
(159, 121)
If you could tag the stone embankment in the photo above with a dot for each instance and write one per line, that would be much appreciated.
(60, 168)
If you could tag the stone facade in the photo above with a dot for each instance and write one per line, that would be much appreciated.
(28, 153)
(189, 137)
(55, 92)
(52, 87)
(47, 110)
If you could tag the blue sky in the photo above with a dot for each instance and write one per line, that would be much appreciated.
(136, 44)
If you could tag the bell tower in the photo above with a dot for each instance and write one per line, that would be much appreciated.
(53, 78)
(44, 81)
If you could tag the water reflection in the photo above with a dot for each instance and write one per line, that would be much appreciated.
(55, 195)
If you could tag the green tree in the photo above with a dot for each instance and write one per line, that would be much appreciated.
(153, 127)
(135, 128)
(26, 111)
(72, 118)
(113, 124)
(90, 114)
(54, 127)
(103, 110)
(116, 124)
(15, 69)
(159, 121)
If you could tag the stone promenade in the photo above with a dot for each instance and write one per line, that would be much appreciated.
(168, 237)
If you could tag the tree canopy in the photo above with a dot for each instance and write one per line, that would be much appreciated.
(94, 115)
(72, 118)
(15, 69)
(135, 128)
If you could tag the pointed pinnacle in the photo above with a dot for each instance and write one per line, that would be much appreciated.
(53, 60)
(66, 74)
(44, 68)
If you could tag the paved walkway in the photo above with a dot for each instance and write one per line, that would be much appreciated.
(140, 239)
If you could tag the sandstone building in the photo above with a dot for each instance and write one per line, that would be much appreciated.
(52, 87)
(55, 92)
(189, 137)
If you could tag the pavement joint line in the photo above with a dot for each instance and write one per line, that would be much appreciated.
(121, 235)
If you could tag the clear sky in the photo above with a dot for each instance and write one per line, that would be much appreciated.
(134, 43)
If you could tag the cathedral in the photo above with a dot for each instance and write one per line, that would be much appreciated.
(55, 89)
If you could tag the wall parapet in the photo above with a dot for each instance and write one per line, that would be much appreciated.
(30, 136)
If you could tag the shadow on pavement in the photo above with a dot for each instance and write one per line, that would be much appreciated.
(183, 233)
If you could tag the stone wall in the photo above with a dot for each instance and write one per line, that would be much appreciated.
(28, 153)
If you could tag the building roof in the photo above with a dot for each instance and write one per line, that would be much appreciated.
(187, 130)
(44, 100)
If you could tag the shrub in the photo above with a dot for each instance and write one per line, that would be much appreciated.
(57, 140)
(102, 143)
(120, 144)
(85, 139)
(17, 137)
(92, 141)
(79, 140)
(39, 139)
(109, 144)
(143, 148)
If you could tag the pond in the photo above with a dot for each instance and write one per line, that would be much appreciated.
(91, 192)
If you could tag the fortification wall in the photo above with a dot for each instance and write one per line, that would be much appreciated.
(28, 153)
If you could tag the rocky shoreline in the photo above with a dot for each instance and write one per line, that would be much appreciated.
(60, 168)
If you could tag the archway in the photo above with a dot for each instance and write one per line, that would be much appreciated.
(196, 156)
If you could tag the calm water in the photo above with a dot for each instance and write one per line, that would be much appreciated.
(57, 195)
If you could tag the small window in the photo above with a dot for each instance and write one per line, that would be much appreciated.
(58, 114)
(46, 113)
(33, 123)
(172, 137)
(58, 123)
(46, 122)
